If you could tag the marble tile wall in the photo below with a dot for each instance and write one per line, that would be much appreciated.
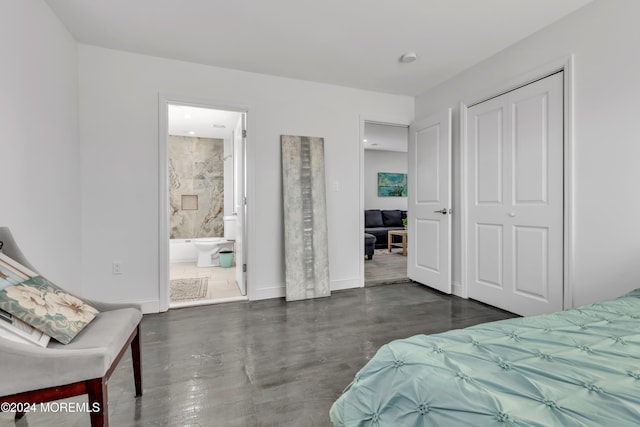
(196, 168)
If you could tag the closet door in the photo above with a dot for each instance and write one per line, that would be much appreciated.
(515, 199)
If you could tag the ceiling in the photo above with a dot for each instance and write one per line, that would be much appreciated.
(385, 137)
(354, 43)
(201, 122)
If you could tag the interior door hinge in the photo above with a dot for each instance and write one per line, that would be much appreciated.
(244, 133)
(244, 268)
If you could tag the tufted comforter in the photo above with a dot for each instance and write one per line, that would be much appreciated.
(579, 367)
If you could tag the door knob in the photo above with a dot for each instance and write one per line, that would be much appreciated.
(442, 211)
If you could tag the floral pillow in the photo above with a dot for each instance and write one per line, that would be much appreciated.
(48, 308)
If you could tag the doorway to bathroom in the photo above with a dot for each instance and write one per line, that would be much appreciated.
(205, 198)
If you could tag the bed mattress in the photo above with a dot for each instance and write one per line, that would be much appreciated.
(579, 367)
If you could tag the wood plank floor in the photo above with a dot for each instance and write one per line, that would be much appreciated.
(266, 363)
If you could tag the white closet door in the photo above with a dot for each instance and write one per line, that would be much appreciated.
(429, 228)
(515, 199)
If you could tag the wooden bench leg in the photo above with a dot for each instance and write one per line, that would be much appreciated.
(97, 391)
(137, 366)
(19, 415)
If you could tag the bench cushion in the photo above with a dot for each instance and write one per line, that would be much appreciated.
(89, 355)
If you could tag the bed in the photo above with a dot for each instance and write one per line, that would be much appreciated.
(579, 367)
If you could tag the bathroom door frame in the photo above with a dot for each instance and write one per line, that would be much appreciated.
(164, 100)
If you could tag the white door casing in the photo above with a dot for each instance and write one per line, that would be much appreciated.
(429, 213)
(515, 195)
(239, 197)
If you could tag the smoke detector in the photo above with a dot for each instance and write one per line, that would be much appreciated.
(408, 57)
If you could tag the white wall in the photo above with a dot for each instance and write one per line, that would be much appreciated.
(119, 133)
(382, 161)
(603, 37)
(39, 154)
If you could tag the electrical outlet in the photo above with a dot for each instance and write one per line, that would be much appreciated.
(116, 267)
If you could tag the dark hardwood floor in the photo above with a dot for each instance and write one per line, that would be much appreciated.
(266, 363)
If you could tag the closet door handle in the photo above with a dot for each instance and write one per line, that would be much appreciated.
(442, 211)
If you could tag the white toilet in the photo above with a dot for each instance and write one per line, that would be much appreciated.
(209, 248)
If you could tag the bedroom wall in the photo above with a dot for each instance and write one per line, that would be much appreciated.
(382, 161)
(39, 153)
(603, 38)
(119, 132)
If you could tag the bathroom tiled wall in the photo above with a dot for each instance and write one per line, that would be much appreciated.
(196, 168)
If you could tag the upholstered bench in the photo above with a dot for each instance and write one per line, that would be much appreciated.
(33, 374)
(369, 244)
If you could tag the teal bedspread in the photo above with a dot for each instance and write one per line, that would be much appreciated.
(579, 367)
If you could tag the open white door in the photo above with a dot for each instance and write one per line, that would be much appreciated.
(429, 214)
(239, 201)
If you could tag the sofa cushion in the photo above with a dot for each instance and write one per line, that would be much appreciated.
(392, 218)
(373, 218)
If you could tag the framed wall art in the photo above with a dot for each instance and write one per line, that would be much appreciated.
(392, 184)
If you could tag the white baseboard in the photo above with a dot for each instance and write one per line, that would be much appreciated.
(457, 290)
(267, 293)
(338, 285)
(207, 302)
(280, 291)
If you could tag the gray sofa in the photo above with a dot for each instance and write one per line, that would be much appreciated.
(378, 222)
(34, 374)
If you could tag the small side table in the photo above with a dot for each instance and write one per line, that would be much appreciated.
(403, 244)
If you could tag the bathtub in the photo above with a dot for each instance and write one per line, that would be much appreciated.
(182, 250)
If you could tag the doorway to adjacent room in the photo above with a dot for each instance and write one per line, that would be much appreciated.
(385, 202)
